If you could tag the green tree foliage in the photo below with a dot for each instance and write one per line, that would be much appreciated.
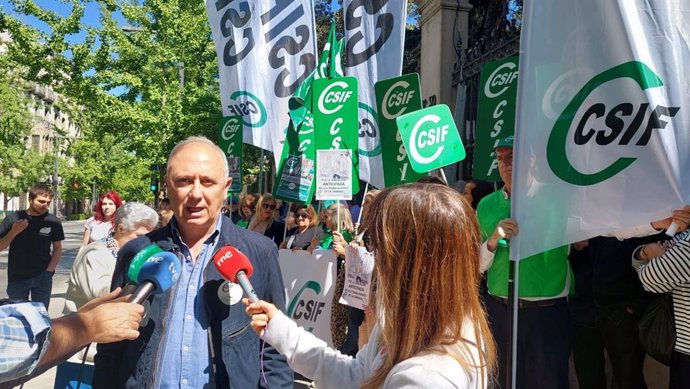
(20, 167)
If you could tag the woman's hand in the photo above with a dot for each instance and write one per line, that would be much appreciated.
(283, 245)
(261, 313)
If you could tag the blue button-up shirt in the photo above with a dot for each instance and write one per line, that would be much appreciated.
(186, 358)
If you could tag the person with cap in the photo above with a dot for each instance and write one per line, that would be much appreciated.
(543, 346)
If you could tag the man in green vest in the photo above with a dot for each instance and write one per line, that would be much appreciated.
(543, 342)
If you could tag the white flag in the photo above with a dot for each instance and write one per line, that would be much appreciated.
(265, 50)
(603, 123)
(375, 40)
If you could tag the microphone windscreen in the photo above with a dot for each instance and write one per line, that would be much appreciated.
(229, 261)
(131, 248)
(162, 269)
(139, 260)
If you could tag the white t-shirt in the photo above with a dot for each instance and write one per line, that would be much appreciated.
(99, 230)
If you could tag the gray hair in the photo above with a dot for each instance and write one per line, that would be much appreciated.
(200, 140)
(132, 215)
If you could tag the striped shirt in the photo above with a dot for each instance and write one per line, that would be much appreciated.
(671, 273)
(24, 329)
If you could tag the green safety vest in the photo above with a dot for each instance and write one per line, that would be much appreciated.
(541, 275)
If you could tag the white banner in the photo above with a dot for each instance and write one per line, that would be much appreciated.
(309, 282)
(374, 36)
(265, 50)
(359, 266)
(602, 134)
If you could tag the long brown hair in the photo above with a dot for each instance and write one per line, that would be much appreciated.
(426, 241)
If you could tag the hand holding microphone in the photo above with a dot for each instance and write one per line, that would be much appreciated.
(261, 313)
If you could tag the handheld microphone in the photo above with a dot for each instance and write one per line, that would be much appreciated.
(144, 251)
(158, 274)
(235, 266)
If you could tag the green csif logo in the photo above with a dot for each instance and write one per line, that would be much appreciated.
(615, 127)
(230, 128)
(334, 97)
(396, 99)
(306, 309)
(248, 106)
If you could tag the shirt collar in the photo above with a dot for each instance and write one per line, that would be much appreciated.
(212, 239)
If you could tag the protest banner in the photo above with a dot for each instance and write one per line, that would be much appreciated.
(335, 119)
(230, 141)
(265, 50)
(430, 138)
(602, 139)
(395, 97)
(309, 283)
(359, 266)
(375, 41)
(333, 174)
(495, 115)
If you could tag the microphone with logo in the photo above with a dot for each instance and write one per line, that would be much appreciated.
(158, 274)
(139, 258)
(235, 266)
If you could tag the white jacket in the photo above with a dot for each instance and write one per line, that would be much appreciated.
(311, 357)
(91, 275)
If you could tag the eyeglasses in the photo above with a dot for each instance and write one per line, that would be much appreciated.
(302, 216)
(248, 206)
(268, 206)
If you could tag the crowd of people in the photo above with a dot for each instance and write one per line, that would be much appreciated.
(439, 314)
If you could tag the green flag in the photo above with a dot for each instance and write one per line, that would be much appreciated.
(230, 140)
(431, 138)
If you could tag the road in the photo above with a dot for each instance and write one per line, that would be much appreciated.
(74, 232)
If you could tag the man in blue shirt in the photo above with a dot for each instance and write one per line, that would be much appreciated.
(197, 335)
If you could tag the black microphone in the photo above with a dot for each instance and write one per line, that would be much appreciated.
(236, 267)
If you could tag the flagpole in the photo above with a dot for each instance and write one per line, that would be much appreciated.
(286, 216)
(361, 206)
(443, 175)
(513, 309)
(261, 172)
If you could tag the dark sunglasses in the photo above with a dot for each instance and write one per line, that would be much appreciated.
(303, 215)
(268, 206)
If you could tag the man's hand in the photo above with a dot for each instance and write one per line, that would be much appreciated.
(18, 226)
(505, 229)
(110, 318)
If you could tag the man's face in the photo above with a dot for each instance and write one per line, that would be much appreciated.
(504, 156)
(197, 186)
(40, 204)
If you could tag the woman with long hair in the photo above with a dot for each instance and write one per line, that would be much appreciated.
(264, 221)
(246, 209)
(300, 236)
(100, 225)
(432, 330)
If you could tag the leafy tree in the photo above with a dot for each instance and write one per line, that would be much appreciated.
(20, 167)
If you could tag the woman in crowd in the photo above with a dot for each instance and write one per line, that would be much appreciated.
(666, 268)
(93, 268)
(475, 190)
(300, 237)
(100, 225)
(339, 232)
(264, 221)
(432, 330)
(247, 209)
